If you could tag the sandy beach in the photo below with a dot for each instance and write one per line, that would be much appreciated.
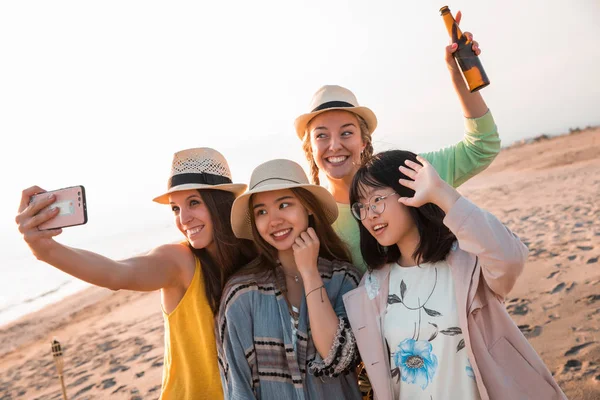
(546, 190)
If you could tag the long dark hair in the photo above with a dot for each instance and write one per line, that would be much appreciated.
(435, 239)
(232, 253)
(331, 246)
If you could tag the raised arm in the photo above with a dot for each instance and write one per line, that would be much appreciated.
(501, 253)
(480, 144)
(160, 268)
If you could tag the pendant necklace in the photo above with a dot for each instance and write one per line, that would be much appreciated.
(296, 277)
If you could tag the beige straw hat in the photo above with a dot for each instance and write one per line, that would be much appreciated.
(200, 168)
(277, 175)
(333, 97)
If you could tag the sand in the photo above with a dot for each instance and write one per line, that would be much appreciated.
(546, 190)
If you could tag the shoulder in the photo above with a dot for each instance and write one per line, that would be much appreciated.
(174, 255)
(240, 287)
(338, 270)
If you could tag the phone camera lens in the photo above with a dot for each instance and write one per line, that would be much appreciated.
(78, 193)
(79, 198)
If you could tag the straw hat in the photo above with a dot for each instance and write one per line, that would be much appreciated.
(200, 168)
(333, 97)
(277, 175)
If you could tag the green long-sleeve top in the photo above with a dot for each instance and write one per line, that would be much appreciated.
(456, 164)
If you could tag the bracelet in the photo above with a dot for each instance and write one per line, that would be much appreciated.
(320, 287)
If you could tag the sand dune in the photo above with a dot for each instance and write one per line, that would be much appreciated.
(548, 192)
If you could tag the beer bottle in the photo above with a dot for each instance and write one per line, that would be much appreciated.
(465, 56)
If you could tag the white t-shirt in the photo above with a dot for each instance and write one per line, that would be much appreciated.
(427, 352)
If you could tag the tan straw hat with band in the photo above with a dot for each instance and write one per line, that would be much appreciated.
(333, 97)
(199, 168)
(277, 175)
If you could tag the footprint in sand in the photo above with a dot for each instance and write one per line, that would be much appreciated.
(585, 248)
(81, 391)
(119, 389)
(558, 288)
(575, 349)
(530, 332)
(589, 299)
(552, 274)
(572, 365)
(107, 383)
(518, 306)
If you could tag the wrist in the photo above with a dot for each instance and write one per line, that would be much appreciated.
(311, 280)
(445, 196)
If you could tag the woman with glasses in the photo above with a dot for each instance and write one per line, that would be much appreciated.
(428, 317)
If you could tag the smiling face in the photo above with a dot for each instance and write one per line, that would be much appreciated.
(395, 225)
(336, 142)
(280, 217)
(192, 218)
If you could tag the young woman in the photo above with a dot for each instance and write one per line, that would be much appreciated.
(282, 328)
(429, 317)
(190, 275)
(336, 138)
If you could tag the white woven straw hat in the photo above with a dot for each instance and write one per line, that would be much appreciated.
(199, 168)
(333, 97)
(277, 175)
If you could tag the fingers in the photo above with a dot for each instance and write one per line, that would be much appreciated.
(31, 223)
(411, 173)
(39, 203)
(458, 17)
(476, 48)
(416, 166)
(469, 36)
(407, 201)
(26, 196)
(408, 183)
(34, 235)
(423, 161)
(450, 49)
(313, 235)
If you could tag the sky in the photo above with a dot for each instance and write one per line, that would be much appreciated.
(102, 94)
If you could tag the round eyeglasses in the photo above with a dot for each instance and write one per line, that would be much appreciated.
(375, 204)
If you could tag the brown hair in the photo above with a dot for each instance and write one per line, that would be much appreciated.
(331, 246)
(232, 253)
(307, 147)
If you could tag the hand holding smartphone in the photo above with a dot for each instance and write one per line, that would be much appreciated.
(72, 207)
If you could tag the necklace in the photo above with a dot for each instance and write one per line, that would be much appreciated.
(296, 277)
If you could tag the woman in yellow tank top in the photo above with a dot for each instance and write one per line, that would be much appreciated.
(190, 275)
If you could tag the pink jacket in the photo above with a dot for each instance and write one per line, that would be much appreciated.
(485, 266)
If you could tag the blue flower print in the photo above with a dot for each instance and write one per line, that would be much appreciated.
(469, 370)
(415, 360)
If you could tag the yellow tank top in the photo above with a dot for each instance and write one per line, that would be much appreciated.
(190, 368)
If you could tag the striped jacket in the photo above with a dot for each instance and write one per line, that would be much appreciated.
(255, 347)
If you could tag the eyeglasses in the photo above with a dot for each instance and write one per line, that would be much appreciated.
(375, 204)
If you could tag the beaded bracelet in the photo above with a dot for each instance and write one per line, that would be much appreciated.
(320, 287)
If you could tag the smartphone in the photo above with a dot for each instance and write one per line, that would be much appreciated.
(72, 208)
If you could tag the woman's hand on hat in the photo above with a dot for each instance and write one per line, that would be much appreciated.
(427, 184)
(452, 47)
(306, 252)
(31, 216)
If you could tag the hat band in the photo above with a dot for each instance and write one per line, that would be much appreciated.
(200, 178)
(333, 104)
(270, 179)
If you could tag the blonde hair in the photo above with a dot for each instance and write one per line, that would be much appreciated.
(364, 155)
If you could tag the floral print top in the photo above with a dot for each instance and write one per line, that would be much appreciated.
(423, 335)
